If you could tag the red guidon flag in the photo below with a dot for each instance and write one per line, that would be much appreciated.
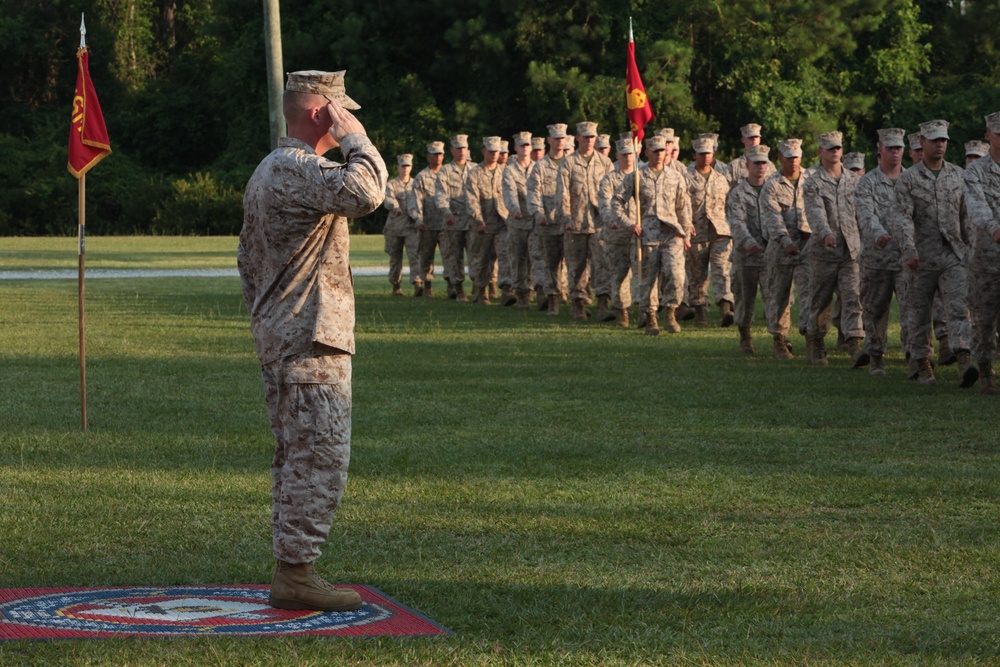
(638, 109)
(88, 137)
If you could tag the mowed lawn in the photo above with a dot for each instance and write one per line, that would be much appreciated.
(555, 493)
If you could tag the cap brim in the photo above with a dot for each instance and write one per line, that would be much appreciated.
(935, 136)
(344, 101)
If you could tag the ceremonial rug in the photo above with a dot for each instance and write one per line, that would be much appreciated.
(175, 611)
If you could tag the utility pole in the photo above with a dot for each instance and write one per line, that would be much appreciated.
(275, 69)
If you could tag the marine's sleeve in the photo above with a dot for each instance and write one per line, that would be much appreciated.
(736, 217)
(623, 193)
(509, 188)
(979, 211)
(815, 208)
(472, 196)
(352, 189)
(390, 202)
(869, 225)
(901, 220)
(563, 210)
(682, 207)
(533, 197)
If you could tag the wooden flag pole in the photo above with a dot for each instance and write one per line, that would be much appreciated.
(638, 213)
(80, 298)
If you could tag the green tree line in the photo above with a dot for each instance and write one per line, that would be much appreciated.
(183, 88)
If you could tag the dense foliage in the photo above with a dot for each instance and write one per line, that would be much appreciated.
(183, 87)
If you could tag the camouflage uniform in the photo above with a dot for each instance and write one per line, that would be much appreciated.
(432, 211)
(982, 196)
(519, 229)
(543, 207)
(744, 212)
(930, 224)
(666, 226)
(620, 243)
(576, 197)
(401, 230)
(297, 285)
(450, 194)
(785, 223)
(830, 211)
(711, 243)
(484, 196)
(881, 268)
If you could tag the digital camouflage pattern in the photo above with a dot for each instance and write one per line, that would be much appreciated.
(784, 223)
(519, 224)
(743, 211)
(982, 197)
(401, 231)
(484, 197)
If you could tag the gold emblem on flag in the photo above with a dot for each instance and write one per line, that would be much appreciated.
(636, 99)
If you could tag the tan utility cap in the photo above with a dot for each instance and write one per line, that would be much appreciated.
(934, 129)
(703, 145)
(404, 160)
(538, 143)
(891, 137)
(586, 129)
(491, 143)
(993, 122)
(667, 133)
(829, 140)
(656, 143)
(557, 131)
(853, 161)
(328, 84)
(759, 153)
(791, 148)
(914, 138)
(522, 139)
(603, 141)
(625, 136)
(710, 135)
(460, 141)
(750, 130)
(504, 146)
(435, 148)
(977, 148)
(624, 146)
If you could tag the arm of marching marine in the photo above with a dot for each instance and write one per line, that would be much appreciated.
(414, 208)
(390, 202)
(869, 225)
(736, 219)
(471, 194)
(442, 198)
(625, 192)
(816, 212)
(509, 185)
(682, 209)
(606, 190)
(901, 221)
(979, 211)
(533, 196)
(563, 210)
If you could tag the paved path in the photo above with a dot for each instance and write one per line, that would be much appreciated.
(97, 274)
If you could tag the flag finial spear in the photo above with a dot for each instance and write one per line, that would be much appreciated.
(83, 33)
(630, 30)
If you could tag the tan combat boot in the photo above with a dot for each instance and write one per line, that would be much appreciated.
(987, 378)
(397, 290)
(701, 316)
(670, 320)
(746, 340)
(623, 317)
(781, 350)
(604, 312)
(946, 356)
(579, 310)
(483, 297)
(925, 375)
(523, 301)
(553, 304)
(460, 292)
(859, 358)
(301, 587)
(725, 314)
(428, 290)
(878, 365)
(967, 372)
(652, 327)
(818, 357)
(507, 297)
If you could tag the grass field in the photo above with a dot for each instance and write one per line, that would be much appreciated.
(556, 493)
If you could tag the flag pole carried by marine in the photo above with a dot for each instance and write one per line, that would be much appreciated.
(639, 112)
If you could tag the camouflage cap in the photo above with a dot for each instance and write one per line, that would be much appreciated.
(891, 137)
(404, 160)
(435, 148)
(504, 146)
(624, 146)
(914, 139)
(829, 140)
(791, 148)
(993, 122)
(603, 141)
(750, 130)
(460, 141)
(557, 131)
(667, 133)
(759, 153)
(934, 129)
(328, 84)
(586, 129)
(703, 145)
(625, 136)
(710, 135)
(521, 139)
(977, 148)
(570, 141)
(538, 143)
(853, 161)
(491, 143)
(656, 143)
